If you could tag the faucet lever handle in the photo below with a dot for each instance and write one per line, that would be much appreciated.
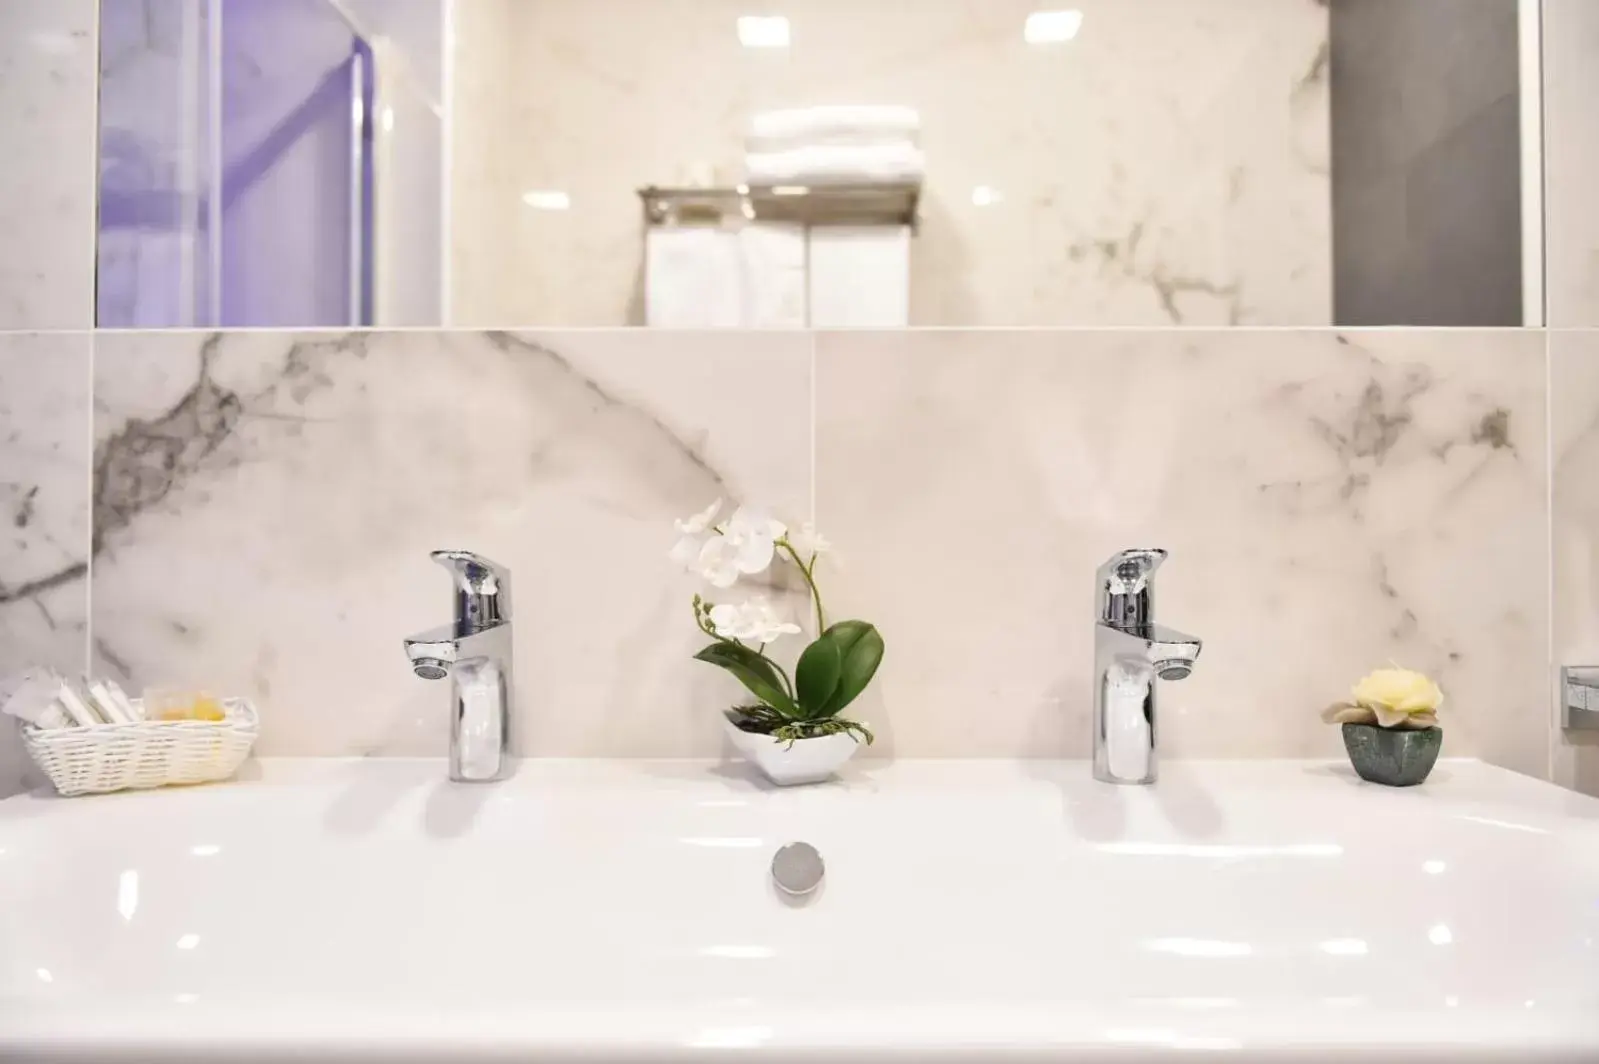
(1127, 587)
(482, 589)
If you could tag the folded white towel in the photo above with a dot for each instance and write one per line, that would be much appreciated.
(837, 165)
(842, 139)
(829, 124)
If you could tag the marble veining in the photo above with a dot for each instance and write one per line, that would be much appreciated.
(264, 505)
(1322, 495)
(47, 185)
(44, 512)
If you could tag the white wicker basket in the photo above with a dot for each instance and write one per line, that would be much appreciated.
(119, 757)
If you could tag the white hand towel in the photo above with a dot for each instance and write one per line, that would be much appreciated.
(824, 164)
(860, 276)
(821, 123)
(772, 256)
(691, 278)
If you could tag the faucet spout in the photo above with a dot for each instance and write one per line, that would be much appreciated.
(1131, 652)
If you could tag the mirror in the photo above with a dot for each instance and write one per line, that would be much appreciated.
(823, 163)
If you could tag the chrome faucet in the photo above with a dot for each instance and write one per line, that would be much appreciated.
(475, 651)
(1130, 651)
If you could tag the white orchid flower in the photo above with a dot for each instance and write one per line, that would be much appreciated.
(688, 546)
(808, 542)
(685, 551)
(718, 561)
(755, 620)
(753, 535)
(693, 526)
(728, 621)
(767, 626)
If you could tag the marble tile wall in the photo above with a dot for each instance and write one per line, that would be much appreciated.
(47, 186)
(265, 504)
(1332, 502)
(44, 512)
(1118, 192)
(1571, 160)
(485, 204)
(1574, 448)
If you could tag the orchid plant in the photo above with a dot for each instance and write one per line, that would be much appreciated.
(832, 670)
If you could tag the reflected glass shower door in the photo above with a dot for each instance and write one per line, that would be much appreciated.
(236, 174)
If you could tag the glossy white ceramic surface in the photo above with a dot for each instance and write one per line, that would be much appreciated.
(793, 764)
(1265, 911)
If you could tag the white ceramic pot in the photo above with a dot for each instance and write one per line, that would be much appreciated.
(805, 761)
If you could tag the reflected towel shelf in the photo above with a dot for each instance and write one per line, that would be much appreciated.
(875, 203)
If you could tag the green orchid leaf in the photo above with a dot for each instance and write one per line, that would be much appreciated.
(860, 648)
(754, 672)
(816, 676)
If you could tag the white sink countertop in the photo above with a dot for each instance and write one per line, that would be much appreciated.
(1264, 911)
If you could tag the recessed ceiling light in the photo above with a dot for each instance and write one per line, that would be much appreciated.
(763, 31)
(1052, 27)
(984, 196)
(547, 200)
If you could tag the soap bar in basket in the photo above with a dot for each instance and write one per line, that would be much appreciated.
(168, 703)
(148, 753)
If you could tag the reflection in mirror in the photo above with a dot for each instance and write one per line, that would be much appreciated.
(826, 163)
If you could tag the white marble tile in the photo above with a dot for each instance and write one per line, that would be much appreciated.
(47, 185)
(1571, 160)
(1574, 452)
(485, 204)
(44, 512)
(1332, 503)
(1168, 165)
(265, 503)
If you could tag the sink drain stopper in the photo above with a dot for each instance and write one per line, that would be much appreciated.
(798, 869)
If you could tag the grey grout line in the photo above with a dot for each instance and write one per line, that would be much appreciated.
(1551, 714)
(815, 517)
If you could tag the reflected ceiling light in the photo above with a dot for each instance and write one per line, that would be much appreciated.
(791, 190)
(762, 31)
(738, 953)
(386, 117)
(128, 894)
(730, 1037)
(1215, 850)
(206, 850)
(189, 941)
(44, 975)
(547, 199)
(1052, 27)
(1433, 868)
(1508, 824)
(1346, 947)
(985, 196)
(1440, 935)
(185, 999)
(53, 43)
(1171, 1039)
(1200, 947)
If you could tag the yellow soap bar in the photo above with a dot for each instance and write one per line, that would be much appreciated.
(207, 708)
(164, 704)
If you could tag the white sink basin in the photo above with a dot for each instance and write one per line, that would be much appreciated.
(1267, 911)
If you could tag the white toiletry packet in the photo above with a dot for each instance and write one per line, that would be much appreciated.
(30, 696)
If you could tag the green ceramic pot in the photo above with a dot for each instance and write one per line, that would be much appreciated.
(1392, 757)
